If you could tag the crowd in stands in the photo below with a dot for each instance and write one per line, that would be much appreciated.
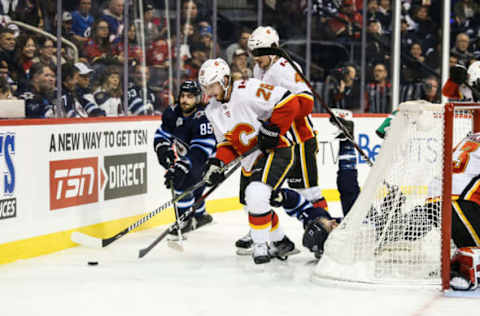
(92, 85)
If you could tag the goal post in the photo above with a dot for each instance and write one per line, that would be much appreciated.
(398, 232)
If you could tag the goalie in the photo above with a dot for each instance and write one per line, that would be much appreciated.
(410, 226)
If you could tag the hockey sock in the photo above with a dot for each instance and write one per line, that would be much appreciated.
(184, 204)
(260, 225)
(296, 205)
(276, 232)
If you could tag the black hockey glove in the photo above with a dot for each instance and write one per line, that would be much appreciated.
(268, 136)
(458, 74)
(177, 173)
(277, 198)
(214, 174)
(165, 154)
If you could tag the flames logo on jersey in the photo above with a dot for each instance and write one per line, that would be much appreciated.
(243, 137)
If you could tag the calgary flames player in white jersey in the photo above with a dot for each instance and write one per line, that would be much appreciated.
(245, 114)
(277, 71)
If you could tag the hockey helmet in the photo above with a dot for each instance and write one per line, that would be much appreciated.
(214, 70)
(192, 87)
(474, 73)
(263, 37)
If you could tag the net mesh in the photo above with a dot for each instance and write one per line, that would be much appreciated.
(392, 235)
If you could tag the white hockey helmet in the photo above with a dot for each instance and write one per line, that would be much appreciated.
(263, 37)
(213, 70)
(473, 73)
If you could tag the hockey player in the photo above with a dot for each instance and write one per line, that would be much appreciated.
(304, 174)
(183, 143)
(465, 214)
(243, 114)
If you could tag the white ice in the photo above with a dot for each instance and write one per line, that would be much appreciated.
(207, 279)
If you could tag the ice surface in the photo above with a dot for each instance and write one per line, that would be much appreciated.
(207, 279)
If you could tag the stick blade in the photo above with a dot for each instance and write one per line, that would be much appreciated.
(86, 240)
(175, 245)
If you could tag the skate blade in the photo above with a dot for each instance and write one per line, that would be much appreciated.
(244, 252)
(175, 245)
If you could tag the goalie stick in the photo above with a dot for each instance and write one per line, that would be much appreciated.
(184, 216)
(277, 51)
(94, 242)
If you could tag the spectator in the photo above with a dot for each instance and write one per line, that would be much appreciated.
(427, 89)
(135, 54)
(5, 89)
(413, 68)
(376, 43)
(425, 29)
(157, 54)
(7, 49)
(372, 10)
(84, 93)
(38, 97)
(192, 65)
(461, 49)
(46, 52)
(206, 38)
(98, 49)
(152, 25)
(241, 43)
(379, 91)
(347, 24)
(342, 89)
(385, 14)
(465, 12)
(187, 36)
(189, 12)
(113, 15)
(82, 21)
(137, 103)
(240, 69)
(70, 105)
(108, 95)
(25, 52)
(4, 73)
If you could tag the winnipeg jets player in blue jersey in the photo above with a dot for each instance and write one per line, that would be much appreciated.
(183, 143)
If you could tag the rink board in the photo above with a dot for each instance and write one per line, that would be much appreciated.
(100, 175)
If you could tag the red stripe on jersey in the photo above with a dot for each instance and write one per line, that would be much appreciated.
(306, 105)
(225, 153)
(285, 112)
(274, 220)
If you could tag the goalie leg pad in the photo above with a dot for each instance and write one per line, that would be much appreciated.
(465, 267)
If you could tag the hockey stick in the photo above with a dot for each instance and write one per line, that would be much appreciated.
(277, 51)
(94, 242)
(178, 222)
(187, 214)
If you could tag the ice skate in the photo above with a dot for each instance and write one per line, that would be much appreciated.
(282, 249)
(260, 253)
(244, 245)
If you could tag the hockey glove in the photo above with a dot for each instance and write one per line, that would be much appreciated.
(177, 173)
(268, 136)
(165, 154)
(458, 74)
(214, 174)
(277, 198)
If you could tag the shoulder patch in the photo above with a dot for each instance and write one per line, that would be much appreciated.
(199, 114)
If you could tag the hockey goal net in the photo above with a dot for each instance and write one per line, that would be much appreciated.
(398, 231)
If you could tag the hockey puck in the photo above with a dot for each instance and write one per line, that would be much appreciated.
(93, 263)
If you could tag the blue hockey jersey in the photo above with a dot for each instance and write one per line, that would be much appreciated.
(194, 131)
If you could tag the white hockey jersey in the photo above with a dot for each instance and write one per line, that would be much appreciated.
(282, 74)
(466, 169)
(236, 122)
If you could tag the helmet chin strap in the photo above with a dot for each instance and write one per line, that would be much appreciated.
(225, 87)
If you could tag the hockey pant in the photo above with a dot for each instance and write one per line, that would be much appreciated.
(255, 191)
